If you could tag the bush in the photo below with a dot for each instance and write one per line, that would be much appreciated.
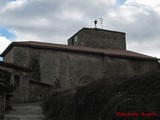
(102, 101)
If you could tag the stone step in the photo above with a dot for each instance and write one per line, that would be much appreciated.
(24, 117)
(27, 111)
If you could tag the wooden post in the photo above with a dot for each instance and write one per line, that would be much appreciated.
(2, 105)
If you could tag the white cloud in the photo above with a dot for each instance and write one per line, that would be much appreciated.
(149, 3)
(149, 48)
(70, 14)
(14, 5)
(57, 20)
(4, 42)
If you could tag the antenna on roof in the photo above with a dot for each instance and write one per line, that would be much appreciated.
(95, 22)
(101, 19)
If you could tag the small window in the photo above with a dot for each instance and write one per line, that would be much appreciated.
(16, 80)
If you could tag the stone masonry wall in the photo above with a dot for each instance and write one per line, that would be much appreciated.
(38, 91)
(98, 38)
(19, 56)
(128, 66)
(20, 93)
(68, 69)
(9, 56)
(64, 69)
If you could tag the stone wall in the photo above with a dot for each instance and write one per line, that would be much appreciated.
(66, 69)
(72, 69)
(128, 66)
(9, 56)
(20, 93)
(98, 38)
(18, 56)
(21, 56)
(39, 91)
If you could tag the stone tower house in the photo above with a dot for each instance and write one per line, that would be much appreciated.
(91, 54)
(98, 38)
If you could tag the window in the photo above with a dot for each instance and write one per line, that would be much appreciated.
(16, 80)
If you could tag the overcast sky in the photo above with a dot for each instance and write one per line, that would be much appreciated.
(57, 20)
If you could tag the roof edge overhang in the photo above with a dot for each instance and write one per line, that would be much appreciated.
(13, 66)
(85, 28)
(6, 50)
(68, 48)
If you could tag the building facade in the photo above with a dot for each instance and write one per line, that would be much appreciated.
(60, 67)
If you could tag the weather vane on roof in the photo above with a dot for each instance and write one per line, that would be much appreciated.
(101, 23)
(95, 22)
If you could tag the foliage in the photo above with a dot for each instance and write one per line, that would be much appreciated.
(101, 101)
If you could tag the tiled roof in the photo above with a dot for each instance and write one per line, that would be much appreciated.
(12, 66)
(98, 51)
